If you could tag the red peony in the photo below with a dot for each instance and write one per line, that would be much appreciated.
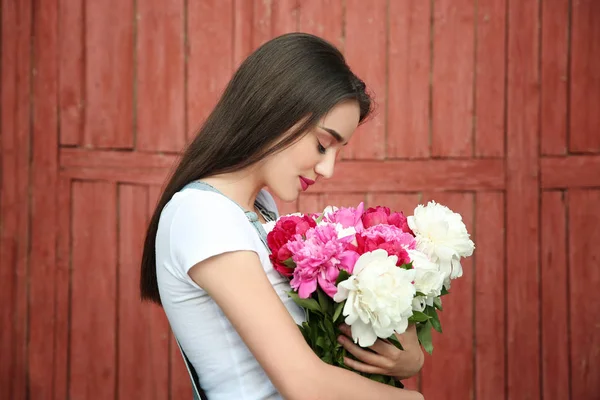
(285, 229)
(382, 215)
(394, 248)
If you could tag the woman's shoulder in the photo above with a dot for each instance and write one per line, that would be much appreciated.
(196, 204)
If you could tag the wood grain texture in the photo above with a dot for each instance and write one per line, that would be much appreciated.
(554, 76)
(43, 216)
(397, 202)
(209, 68)
(323, 18)
(554, 283)
(143, 338)
(109, 74)
(570, 172)
(71, 47)
(14, 200)
(284, 16)
(490, 296)
(584, 299)
(522, 202)
(350, 176)
(242, 30)
(409, 67)
(365, 50)
(93, 317)
(453, 71)
(62, 292)
(453, 352)
(490, 75)
(584, 101)
(160, 73)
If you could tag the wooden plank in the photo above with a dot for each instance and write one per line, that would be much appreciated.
(343, 199)
(490, 70)
(140, 176)
(522, 202)
(14, 198)
(452, 78)
(76, 157)
(570, 172)
(453, 352)
(365, 49)
(43, 217)
(109, 74)
(242, 30)
(63, 275)
(261, 23)
(284, 16)
(490, 296)
(209, 67)
(310, 203)
(351, 176)
(554, 73)
(584, 300)
(92, 353)
(143, 340)
(323, 18)
(554, 314)
(160, 100)
(584, 101)
(71, 71)
(398, 202)
(409, 67)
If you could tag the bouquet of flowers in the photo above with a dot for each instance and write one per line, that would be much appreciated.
(375, 270)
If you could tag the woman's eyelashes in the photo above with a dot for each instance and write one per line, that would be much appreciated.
(321, 148)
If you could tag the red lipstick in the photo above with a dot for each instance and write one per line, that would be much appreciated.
(305, 182)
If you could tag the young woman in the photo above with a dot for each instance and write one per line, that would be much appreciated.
(280, 123)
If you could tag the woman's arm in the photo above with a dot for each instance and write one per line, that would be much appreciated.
(238, 284)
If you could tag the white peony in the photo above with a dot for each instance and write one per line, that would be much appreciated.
(378, 297)
(442, 236)
(343, 232)
(428, 279)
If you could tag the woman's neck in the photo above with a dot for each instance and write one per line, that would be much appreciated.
(240, 186)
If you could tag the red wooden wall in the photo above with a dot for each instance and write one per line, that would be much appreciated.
(489, 106)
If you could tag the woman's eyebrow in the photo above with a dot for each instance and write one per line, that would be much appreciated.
(335, 134)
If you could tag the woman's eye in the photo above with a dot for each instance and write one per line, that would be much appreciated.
(321, 149)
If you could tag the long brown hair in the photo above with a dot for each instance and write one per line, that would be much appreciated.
(292, 77)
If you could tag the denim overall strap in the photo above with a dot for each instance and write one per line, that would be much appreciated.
(253, 219)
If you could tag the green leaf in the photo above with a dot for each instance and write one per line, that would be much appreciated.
(407, 266)
(290, 263)
(424, 335)
(435, 319)
(320, 218)
(394, 340)
(342, 277)
(437, 303)
(330, 329)
(325, 302)
(418, 316)
(420, 294)
(444, 291)
(310, 304)
(338, 310)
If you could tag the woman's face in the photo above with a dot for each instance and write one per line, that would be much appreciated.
(296, 168)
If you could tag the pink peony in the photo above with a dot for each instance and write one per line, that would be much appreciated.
(347, 217)
(382, 215)
(319, 259)
(389, 238)
(285, 229)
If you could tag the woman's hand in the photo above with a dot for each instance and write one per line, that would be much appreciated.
(385, 359)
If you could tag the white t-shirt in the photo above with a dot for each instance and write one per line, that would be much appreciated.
(194, 226)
